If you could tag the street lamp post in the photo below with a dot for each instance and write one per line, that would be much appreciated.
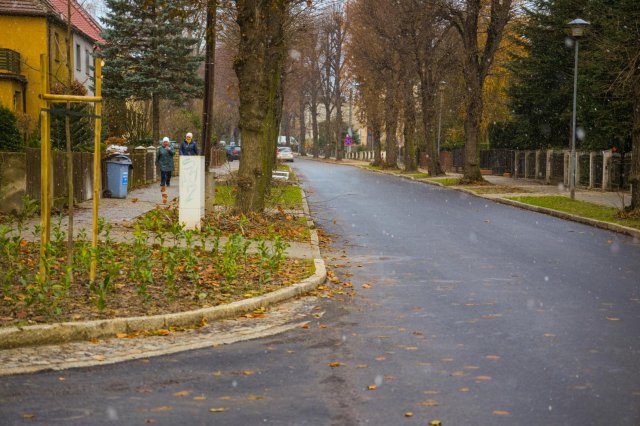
(578, 27)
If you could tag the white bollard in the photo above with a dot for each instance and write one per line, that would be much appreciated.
(191, 206)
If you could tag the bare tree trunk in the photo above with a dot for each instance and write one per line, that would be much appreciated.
(314, 128)
(377, 147)
(155, 118)
(409, 125)
(209, 74)
(303, 128)
(472, 132)
(338, 128)
(635, 146)
(428, 119)
(328, 146)
(391, 124)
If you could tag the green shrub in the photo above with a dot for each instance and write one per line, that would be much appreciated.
(9, 134)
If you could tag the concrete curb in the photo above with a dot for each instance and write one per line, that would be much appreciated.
(568, 216)
(47, 334)
(544, 210)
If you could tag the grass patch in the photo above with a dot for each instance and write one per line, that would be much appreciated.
(286, 197)
(499, 190)
(446, 181)
(580, 208)
(282, 196)
(225, 195)
(418, 175)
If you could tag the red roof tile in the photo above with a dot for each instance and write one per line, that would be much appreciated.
(80, 18)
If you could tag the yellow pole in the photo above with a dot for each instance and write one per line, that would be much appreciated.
(71, 98)
(45, 162)
(97, 174)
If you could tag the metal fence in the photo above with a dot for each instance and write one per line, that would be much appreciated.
(499, 161)
(595, 169)
(620, 171)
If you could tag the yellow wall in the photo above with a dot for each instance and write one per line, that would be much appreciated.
(28, 36)
(58, 63)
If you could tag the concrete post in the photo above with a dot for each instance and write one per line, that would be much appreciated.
(578, 153)
(565, 169)
(606, 169)
(538, 155)
(153, 150)
(526, 164)
(592, 169)
(547, 178)
(516, 164)
(192, 184)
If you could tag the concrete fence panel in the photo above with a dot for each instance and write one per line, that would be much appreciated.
(13, 182)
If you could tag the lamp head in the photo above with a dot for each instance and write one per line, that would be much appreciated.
(578, 27)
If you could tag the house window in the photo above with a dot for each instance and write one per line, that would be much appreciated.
(56, 47)
(87, 61)
(17, 101)
(78, 58)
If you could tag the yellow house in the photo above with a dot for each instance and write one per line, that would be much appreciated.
(28, 29)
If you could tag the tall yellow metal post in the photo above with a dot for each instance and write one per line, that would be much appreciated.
(97, 174)
(45, 162)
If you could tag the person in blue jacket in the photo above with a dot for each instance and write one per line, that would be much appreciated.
(188, 146)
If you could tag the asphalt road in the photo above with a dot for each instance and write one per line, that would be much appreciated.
(474, 313)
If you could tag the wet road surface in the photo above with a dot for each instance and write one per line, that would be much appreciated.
(468, 312)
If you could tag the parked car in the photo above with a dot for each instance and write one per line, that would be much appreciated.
(233, 153)
(284, 154)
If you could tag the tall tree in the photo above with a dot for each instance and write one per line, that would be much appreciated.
(337, 33)
(617, 43)
(147, 54)
(259, 66)
(480, 24)
(434, 56)
(209, 79)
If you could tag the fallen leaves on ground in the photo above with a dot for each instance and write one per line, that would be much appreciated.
(429, 403)
(123, 300)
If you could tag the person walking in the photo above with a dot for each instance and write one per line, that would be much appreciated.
(188, 146)
(164, 159)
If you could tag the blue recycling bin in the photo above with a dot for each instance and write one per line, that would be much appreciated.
(118, 175)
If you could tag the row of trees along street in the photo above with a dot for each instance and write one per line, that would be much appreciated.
(497, 73)
(505, 68)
